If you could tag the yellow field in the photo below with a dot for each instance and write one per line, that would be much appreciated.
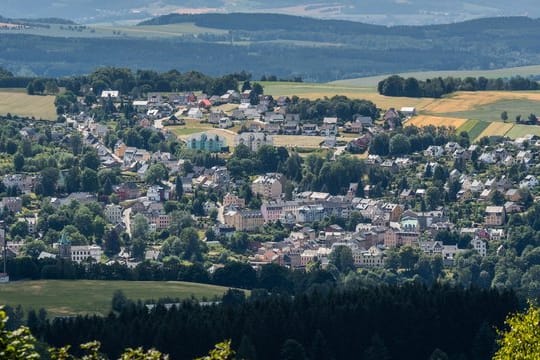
(464, 101)
(496, 129)
(21, 104)
(425, 120)
(300, 141)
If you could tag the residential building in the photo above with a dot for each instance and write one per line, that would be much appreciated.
(86, 252)
(208, 142)
(244, 220)
(495, 216)
(270, 186)
(254, 140)
(113, 213)
(233, 200)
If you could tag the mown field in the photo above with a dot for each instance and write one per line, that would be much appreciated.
(17, 102)
(72, 297)
(425, 120)
(117, 31)
(314, 91)
(506, 72)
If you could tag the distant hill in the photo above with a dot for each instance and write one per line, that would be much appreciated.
(273, 44)
(384, 12)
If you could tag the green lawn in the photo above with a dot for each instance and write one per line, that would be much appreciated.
(313, 90)
(492, 112)
(17, 102)
(71, 297)
(522, 130)
(473, 127)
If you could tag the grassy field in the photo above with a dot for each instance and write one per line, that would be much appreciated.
(492, 111)
(522, 130)
(474, 128)
(425, 120)
(315, 90)
(65, 297)
(119, 31)
(496, 128)
(17, 102)
(506, 72)
(298, 141)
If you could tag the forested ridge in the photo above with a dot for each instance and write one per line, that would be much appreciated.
(408, 322)
(285, 46)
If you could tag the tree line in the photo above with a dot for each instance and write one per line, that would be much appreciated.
(383, 322)
(396, 85)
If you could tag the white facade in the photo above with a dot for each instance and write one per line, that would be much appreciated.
(113, 213)
(82, 253)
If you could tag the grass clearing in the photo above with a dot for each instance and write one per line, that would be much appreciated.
(21, 104)
(518, 131)
(426, 120)
(474, 128)
(72, 297)
(496, 129)
(314, 91)
(298, 141)
(492, 111)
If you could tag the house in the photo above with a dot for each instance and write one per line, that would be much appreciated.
(434, 151)
(205, 104)
(480, 246)
(215, 116)
(157, 193)
(86, 252)
(225, 123)
(109, 94)
(395, 238)
(208, 142)
(269, 186)
(310, 129)
(359, 145)
(195, 113)
(528, 182)
(244, 220)
(408, 111)
(11, 203)
(272, 129)
(233, 200)
(254, 140)
(328, 130)
(512, 195)
(127, 191)
(353, 127)
(290, 128)
(113, 213)
(365, 121)
(392, 118)
(495, 216)
(330, 121)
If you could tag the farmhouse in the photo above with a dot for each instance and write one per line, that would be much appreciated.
(408, 111)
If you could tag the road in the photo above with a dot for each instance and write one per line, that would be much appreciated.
(127, 220)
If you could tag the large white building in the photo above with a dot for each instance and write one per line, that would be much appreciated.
(254, 140)
(83, 252)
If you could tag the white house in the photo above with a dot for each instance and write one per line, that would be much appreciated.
(195, 113)
(225, 123)
(109, 94)
(408, 111)
(529, 182)
(480, 246)
(84, 252)
(113, 213)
